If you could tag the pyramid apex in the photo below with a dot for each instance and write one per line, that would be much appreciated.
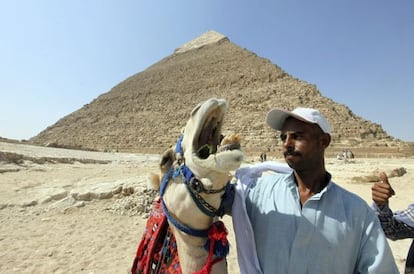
(209, 37)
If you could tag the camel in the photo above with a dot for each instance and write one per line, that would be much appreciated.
(194, 176)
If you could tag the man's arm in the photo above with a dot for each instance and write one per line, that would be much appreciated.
(406, 216)
(398, 225)
(391, 223)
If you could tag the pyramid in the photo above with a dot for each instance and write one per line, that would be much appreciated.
(145, 112)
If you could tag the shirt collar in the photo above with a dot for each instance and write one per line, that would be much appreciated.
(294, 188)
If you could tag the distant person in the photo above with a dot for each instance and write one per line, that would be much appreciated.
(347, 155)
(263, 157)
(300, 221)
(396, 225)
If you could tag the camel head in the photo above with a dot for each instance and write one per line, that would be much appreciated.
(203, 151)
(196, 174)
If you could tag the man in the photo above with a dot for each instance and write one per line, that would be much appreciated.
(301, 221)
(396, 225)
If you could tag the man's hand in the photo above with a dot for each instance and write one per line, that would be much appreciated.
(382, 190)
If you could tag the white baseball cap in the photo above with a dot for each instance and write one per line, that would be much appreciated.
(275, 118)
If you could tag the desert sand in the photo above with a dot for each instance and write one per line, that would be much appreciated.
(68, 211)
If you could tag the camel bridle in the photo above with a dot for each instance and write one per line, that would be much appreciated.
(194, 187)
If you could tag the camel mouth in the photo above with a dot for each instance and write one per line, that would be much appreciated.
(209, 136)
(207, 139)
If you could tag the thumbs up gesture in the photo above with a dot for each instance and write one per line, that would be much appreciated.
(382, 190)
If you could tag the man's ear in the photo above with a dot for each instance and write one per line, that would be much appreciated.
(326, 140)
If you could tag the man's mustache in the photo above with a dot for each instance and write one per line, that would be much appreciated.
(291, 153)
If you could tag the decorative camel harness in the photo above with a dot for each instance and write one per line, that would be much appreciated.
(216, 244)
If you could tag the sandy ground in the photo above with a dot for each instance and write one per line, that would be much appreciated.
(47, 235)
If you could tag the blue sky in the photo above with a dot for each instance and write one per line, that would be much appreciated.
(56, 56)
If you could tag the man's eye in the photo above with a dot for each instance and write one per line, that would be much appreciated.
(294, 136)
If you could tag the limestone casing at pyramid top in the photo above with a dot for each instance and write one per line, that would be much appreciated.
(210, 37)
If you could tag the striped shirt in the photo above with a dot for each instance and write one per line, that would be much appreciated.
(398, 225)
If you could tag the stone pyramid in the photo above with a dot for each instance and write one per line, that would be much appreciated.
(146, 112)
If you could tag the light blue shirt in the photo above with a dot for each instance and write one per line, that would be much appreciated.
(334, 232)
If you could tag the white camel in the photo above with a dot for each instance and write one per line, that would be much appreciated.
(195, 175)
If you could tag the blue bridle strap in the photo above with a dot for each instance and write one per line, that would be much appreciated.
(178, 147)
(190, 231)
(198, 200)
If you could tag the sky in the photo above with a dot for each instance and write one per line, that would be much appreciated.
(57, 56)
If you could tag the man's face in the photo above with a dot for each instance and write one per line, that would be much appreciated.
(303, 144)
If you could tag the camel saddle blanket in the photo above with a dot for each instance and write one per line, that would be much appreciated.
(157, 250)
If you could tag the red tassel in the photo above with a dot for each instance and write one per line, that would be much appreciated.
(217, 234)
(216, 244)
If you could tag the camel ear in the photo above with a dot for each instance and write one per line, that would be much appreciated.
(167, 159)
